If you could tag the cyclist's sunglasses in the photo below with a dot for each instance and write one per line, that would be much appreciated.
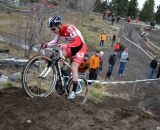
(53, 29)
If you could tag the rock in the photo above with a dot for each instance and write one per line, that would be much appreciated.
(15, 77)
(29, 121)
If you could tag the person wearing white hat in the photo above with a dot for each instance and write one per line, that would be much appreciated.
(101, 53)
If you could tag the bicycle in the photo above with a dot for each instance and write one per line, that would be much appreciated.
(42, 75)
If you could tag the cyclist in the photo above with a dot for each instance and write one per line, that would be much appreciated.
(75, 47)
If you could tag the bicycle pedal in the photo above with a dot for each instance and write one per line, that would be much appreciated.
(42, 77)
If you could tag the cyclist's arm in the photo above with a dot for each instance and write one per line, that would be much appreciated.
(76, 40)
(54, 41)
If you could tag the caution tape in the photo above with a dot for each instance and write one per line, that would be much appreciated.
(138, 47)
(152, 43)
(16, 60)
(144, 25)
(123, 82)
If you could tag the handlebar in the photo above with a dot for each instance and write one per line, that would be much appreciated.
(57, 50)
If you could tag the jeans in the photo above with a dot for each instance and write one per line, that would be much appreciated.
(151, 73)
(101, 43)
(122, 67)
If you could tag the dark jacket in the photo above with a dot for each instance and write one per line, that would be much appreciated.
(158, 73)
(114, 38)
(122, 47)
(112, 59)
(153, 64)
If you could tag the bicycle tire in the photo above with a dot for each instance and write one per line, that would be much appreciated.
(34, 65)
(83, 96)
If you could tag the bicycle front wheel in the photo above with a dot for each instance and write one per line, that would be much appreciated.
(82, 90)
(38, 80)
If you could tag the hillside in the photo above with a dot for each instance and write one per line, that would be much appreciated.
(126, 106)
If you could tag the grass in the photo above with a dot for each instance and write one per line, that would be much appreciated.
(90, 25)
(14, 50)
(7, 84)
(97, 91)
(8, 21)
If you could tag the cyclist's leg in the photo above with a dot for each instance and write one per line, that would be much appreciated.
(78, 58)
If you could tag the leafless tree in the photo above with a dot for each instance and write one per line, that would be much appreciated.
(30, 29)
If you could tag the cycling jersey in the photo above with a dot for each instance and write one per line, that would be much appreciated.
(76, 46)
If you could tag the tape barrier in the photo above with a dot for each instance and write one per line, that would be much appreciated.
(144, 25)
(146, 36)
(16, 60)
(152, 43)
(138, 46)
(123, 82)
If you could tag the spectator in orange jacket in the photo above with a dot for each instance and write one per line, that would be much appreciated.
(102, 39)
(94, 66)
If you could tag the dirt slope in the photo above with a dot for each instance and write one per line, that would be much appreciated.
(56, 113)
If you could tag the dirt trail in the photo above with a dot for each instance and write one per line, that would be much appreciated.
(56, 113)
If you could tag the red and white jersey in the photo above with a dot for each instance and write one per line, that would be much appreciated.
(71, 34)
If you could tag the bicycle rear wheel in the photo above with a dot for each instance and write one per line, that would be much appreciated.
(82, 96)
(32, 83)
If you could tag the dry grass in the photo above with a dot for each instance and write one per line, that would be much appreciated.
(90, 25)
(97, 92)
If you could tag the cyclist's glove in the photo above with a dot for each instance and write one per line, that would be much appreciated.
(44, 45)
(63, 46)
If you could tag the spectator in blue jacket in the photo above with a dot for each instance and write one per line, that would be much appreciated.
(123, 61)
(112, 60)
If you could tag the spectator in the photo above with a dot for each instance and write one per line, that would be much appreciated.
(113, 19)
(109, 14)
(102, 39)
(113, 40)
(158, 73)
(101, 60)
(118, 18)
(121, 49)
(152, 24)
(143, 33)
(123, 61)
(153, 66)
(136, 20)
(112, 60)
(129, 19)
(104, 14)
(84, 65)
(116, 48)
(94, 66)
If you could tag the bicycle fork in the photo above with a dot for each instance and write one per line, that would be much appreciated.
(46, 71)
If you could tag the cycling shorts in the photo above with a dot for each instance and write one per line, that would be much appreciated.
(77, 53)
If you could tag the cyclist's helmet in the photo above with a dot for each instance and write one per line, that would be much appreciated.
(54, 21)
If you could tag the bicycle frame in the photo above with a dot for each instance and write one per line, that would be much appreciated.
(56, 62)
